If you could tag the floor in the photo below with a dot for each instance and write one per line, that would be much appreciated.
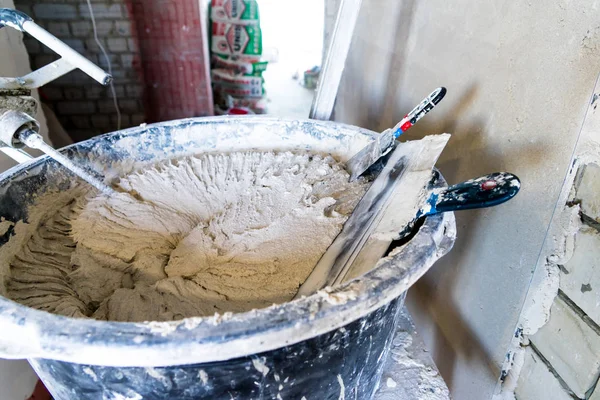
(285, 96)
(291, 45)
(409, 372)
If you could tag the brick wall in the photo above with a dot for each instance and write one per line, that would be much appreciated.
(84, 107)
(563, 357)
(158, 52)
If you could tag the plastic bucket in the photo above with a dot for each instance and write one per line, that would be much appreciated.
(320, 347)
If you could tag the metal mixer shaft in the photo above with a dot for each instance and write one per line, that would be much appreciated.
(18, 128)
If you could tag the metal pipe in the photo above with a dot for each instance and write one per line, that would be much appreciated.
(18, 155)
(70, 55)
(36, 141)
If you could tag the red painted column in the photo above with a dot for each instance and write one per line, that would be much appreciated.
(174, 58)
(40, 392)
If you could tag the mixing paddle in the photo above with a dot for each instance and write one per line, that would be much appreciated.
(20, 129)
(17, 127)
(36, 141)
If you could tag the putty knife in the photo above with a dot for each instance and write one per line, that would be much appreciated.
(485, 191)
(369, 154)
(407, 170)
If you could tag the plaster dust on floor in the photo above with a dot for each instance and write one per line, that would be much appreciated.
(200, 235)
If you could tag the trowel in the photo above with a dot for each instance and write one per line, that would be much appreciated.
(486, 191)
(372, 152)
(394, 202)
(407, 170)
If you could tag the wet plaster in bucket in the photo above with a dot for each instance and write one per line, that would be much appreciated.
(213, 233)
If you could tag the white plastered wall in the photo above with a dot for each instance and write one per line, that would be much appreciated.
(520, 75)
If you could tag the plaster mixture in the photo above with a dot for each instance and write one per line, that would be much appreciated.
(213, 233)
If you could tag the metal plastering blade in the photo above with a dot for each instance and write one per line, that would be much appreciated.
(413, 160)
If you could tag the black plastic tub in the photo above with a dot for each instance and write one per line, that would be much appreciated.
(329, 345)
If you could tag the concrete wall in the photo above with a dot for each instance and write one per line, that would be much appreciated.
(331, 10)
(568, 345)
(520, 75)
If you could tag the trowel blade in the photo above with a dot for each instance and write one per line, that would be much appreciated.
(369, 154)
(407, 157)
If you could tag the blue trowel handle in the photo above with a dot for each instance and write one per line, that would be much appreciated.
(486, 191)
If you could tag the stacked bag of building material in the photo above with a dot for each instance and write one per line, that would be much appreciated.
(236, 50)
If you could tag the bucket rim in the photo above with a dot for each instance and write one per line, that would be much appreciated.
(31, 333)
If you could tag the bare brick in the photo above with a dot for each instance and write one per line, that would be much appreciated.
(135, 91)
(32, 45)
(129, 105)
(119, 91)
(137, 119)
(76, 77)
(85, 28)
(55, 11)
(101, 121)
(571, 346)
(75, 44)
(102, 11)
(60, 29)
(51, 93)
(106, 106)
(46, 49)
(132, 45)
(25, 8)
(81, 28)
(123, 28)
(104, 28)
(76, 107)
(80, 121)
(73, 93)
(92, 46)
(118, 45)
(588, 191)
(64, 121)
(43, 59)
(125, 120)
(580, 276)
(92, 57)
(127, 60)
(94, 92)
(536, 382)
(103, 60)
(82, 134)
(118, 76)
(132, 74)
